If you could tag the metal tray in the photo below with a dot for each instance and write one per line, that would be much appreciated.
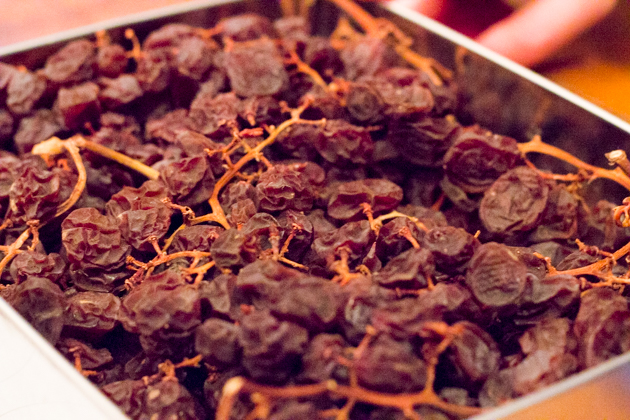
(36, 382)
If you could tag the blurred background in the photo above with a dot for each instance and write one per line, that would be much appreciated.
(595, 66)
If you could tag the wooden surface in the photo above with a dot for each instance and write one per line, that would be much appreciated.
(596, 66)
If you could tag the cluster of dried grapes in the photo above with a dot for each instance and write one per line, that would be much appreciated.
(319, 232)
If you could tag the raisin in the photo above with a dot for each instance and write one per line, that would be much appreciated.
(255, 68)
(24, 92)
(495, 275)
(282, 188)
(477, 158)
(74, 63)
(515, 202)
(79, 105)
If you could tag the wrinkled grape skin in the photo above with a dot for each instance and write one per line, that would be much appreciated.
(344, 143)
(74, 63)
(115, 93)
(602, 326)
(424, 142)
(24, 92)
(163, 305)
(367, 56)
(92, 314)
(35, 195)
(409, 270)
(282, 188)
(515, 202)
(476, 159)
(390, 366)
(41, 303)
(141, 214)
(451, 247)
(256, 69)
(217, 341)
(92, 240)
(495, 276)
(233, 250)
(474, 354)
(320, 361)
(271, 348)
(380, 194)
(190, 180)
(33, 129)
(79, 104)
(31, 263)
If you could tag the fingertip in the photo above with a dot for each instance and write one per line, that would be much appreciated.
(536, 31)
(430, 8)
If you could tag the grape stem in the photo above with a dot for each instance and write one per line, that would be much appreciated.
(382, 28)
(13, 249)
(536, 145)
(218, 215)
(354, 392)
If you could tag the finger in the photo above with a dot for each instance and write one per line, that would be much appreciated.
(540, 28)
(430, 8)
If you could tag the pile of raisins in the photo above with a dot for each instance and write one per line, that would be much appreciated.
(362, 228)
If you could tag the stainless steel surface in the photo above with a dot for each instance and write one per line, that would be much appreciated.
(508, 99)
(37, 383)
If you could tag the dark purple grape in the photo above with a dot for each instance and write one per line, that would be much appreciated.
(451, 247)
(41, 303)
(194, 58)
(515, 202)
(271, 348)
(344, 143)
(380, 194)
(91, 358)
(217, 341)
(321, 359)
(111, 60)
(602, 326)
(233, 250)
(473, 354)
(495, 275)
(154, 70)
(477, 158)
(36, 194)
(548, 297)
(367, 56)
(256, 69)
(282, 188)
(246, 27)
(24, 92)
(141, 214)
(74, 63)
(128, 395)
(91, 314)
(190, 181)
(213, 115)
(32, 263)
(412, 269)
(79, 105)
(424, 142)
(390, 366)
(40, 126)
(162, 305)
(92, 240)
(560, 217)
(120, 91)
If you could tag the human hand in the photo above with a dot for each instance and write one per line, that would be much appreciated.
(526, 35)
